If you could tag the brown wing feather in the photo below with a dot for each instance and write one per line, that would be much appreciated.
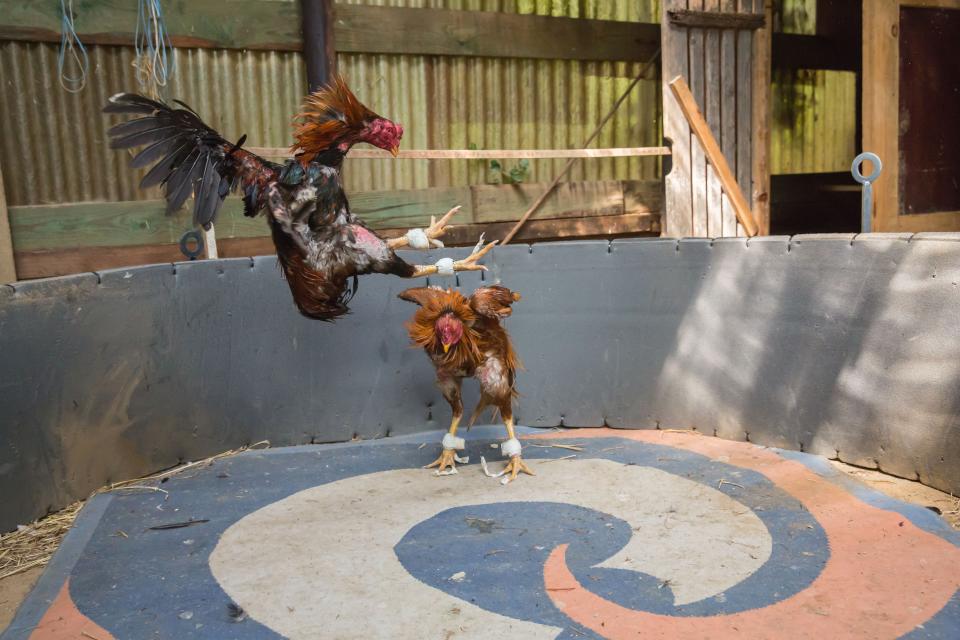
(493, 301)
(421, 295)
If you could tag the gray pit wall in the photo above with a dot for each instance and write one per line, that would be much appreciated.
(839, 345)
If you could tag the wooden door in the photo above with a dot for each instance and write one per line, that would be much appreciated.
(722, 50)
(911, 102)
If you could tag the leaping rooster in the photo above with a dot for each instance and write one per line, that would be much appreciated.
(321, 246)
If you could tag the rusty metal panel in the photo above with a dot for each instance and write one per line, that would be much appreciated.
(458, 103)
(814, 121)
(54, 147)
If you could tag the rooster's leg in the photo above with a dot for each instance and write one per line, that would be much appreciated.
(445, 464)
(446, 266)
(511, 448)
(425, 238)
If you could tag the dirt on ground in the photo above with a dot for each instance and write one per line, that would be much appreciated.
(15, 588)
(12, 592)
(946, 505)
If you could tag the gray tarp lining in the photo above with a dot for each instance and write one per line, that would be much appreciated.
(838, 345)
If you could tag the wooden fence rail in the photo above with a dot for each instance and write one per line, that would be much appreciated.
(57, 239)
(254, 24)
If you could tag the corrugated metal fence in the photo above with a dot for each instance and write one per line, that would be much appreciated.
(53, 149)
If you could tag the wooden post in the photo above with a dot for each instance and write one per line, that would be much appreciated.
(8, 270)
(714, 156)
(210, 243)
(318, 48)
(678, 209)
(762, 116)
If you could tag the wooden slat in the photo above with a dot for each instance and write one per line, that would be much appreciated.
(239, 24)
(762, 117)
(699, 126)
(254, 24)
(43, 264)
(370, 29)
(713, 72)
(482, 154)
(710, 19)
(8, 271)
(101, 224)
(45, 227)
(728, 115)
(698, 160)
(569, 200)
(678, 212)
(745, 105)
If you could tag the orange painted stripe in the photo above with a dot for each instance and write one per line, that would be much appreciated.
(63, 621)
(884, 577)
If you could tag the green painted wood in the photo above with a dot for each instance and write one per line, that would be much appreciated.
(255, 24)
(113, 224)
(411, 207)
(237, 24)
(370, 29)
(107, 224)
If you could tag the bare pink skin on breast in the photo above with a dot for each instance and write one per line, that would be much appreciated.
(370, 243)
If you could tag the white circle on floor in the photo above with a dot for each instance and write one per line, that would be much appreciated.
(321, 563)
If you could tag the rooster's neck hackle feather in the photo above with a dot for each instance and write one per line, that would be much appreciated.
(465, 355)
(328, 116)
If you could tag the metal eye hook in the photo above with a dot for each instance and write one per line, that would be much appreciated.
(185, 239)
(866, 216)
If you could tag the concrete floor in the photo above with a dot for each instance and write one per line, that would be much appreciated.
(665, 534)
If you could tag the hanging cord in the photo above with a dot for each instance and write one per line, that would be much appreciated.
(154, 60)
(70, 46)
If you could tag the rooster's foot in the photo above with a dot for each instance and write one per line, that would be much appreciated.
(446, 463)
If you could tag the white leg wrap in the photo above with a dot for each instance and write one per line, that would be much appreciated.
(453, 442)
(510, 448)
(417, 239)
(445, 267)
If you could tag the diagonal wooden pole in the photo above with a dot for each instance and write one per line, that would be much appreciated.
(701, 129)
(566, 168)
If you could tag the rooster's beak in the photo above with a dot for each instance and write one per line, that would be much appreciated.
(395, 151)
(446, 347)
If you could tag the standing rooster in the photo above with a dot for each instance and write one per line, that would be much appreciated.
(463, 337)
(321, 246)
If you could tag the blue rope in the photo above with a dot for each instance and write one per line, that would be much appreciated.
(154, 49)
(70, 45)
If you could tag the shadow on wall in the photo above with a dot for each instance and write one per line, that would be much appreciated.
(840, 346)
(837, 345)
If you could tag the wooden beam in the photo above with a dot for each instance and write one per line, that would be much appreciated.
(276, 26)
(318, 42)
(239, 24)
(714, 155)
(254, 24)
(44, 264)
(8, 271)
(762, 118)
(481, 154)
(678, 211)
(716, 20)
(396, 30)
(103, 224)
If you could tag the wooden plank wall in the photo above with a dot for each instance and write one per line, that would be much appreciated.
(57, 239)
(720, 66)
